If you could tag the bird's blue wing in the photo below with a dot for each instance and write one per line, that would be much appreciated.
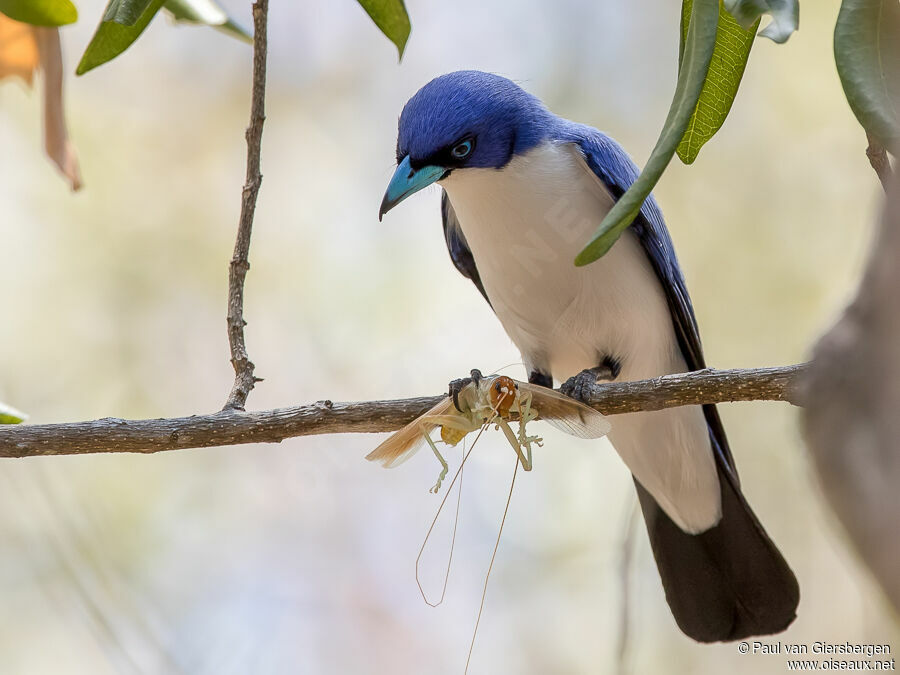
(458, 247)
(729, 581)
(610, 163)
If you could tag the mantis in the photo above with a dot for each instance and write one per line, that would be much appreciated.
(487, 400)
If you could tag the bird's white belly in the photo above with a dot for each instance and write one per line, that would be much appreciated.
(524, 225)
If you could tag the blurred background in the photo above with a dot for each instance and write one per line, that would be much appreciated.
(299, 558)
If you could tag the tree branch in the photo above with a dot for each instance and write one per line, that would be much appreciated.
(232, 427)
(851, 422)
(878, 158)
(237, 271)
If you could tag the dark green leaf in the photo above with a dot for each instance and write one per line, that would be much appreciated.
(726, 68)
(206, 12)
(9, 415)
(40, 12)
(391, 17)
(112, 38)
(696, 55)
(125, 12)
(785, 16)
(867, 53)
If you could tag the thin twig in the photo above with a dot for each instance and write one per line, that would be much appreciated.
(878, 158)
(232, 427)
(237, 271)
(629, 533)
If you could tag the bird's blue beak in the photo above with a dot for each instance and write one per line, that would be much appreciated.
(407, 181)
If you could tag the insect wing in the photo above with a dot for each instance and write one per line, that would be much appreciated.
(404, 443)
(565, 413)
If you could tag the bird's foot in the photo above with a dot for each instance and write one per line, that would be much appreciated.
(457, 386)
(579, 386)
(540, 379)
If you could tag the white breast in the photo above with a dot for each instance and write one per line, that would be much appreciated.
(525, 224)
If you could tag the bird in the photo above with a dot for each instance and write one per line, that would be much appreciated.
(522, 191)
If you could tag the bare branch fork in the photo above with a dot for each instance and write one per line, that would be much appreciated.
(232, 427)
(244, 379)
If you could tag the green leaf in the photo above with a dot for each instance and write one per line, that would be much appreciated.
(125, 12)
(391, 17)
(696, 55)
(206, 12)
(9, 415)
(112, 38)
(726, 68)
(40, 12)
(867, 53)
(785, 16)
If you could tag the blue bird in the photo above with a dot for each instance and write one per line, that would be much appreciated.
(523, 191)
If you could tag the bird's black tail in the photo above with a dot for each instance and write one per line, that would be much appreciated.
(729, 582)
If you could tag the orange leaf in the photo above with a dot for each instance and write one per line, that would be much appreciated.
(23, 49)
(18, 50)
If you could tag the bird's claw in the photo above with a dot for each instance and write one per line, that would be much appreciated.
(579, 386)
(457, 386)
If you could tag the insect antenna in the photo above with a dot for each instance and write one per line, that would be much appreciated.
(487, 577)
(509, 365)
(437, 515)
(458, 474)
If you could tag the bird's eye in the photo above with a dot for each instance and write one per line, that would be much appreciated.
(462, 150)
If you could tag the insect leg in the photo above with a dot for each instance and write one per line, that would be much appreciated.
(444, 466)
(525, 458)
(526, 415)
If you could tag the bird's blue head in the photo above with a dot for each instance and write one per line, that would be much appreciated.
(466, 119)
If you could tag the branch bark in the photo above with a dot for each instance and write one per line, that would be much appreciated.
(231, 426)
(878, 158)
(851, 422)
(244, 379)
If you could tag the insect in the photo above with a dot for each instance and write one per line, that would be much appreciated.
(487, 400)
(497, 400)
